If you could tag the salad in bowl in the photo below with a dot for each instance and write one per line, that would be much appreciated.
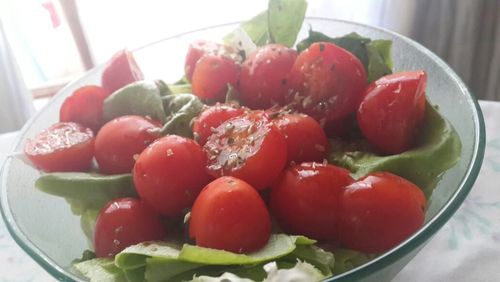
(271, 159)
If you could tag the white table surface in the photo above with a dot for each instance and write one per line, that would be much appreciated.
(467, 248)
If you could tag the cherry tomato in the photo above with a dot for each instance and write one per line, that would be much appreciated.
(211, 118)
(393, 110)
(198, 49)
(263, 79)
(170, 173)
(64, 146)
(305, 139)
(380, 211)
(230, 215)
(125, 222)
(249, 147)
(122, 139)
(211, 76)
(326, 82)
(84, 107)
(307, 197)
(120, 71)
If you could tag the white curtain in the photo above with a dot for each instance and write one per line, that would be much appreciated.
(16, 104)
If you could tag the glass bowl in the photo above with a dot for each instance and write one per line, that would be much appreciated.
(46, 229)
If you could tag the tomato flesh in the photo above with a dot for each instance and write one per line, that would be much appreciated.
(84, 107)
(305, 139)
(306, 200)
(64, 146)
(326, 82)
(380, 211)
(263, 79)
(170, 173)
(132, 133)
(125, 222)
(249, 147)
(393, 110)
(211, 118)
(121, 70)
(230, 215)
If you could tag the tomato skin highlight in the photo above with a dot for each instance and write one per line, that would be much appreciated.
(380, 211)
(120, 71)
(170, 173)
(120, 140)
(198, 49)
(64, 146)
(305, 139)
(263, 78)
(84, 107)
(211, 118)
(230, 215)
(211, 76)
(306, 200)
(393, 110)
(326, 82)
(125, 222)
(248, 147)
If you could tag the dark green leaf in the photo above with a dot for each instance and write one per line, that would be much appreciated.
(139, 98)
(180, 109)
(380, 59)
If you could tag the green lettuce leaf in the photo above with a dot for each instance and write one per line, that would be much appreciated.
(379, 59)
(437, 150)
(346, 260)
(280, 23)
(256, 29)
(180, 109)
(374, 55)
(319, 258)
(161, 261)
(285, 18)
(179, 88)
(141, 98)
(279, 245)
(161, 269)
(86, 190)
(100, 270)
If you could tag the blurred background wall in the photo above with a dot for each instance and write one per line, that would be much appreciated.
(55, 41)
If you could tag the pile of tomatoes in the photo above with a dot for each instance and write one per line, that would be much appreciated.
(263, 158)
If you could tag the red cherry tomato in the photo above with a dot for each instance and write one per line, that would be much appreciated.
(121, 70)
(170, 173)
(198, 49)
(249, 147)
(211, 76)
(64, 146)
(230, 215)
(306, 199)
(84, 107)
(263, 79)
(393, 110)
(122, 139)
(211, 118)
(326, 82)
(125, 222)
(305, 139)
(380, 211)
